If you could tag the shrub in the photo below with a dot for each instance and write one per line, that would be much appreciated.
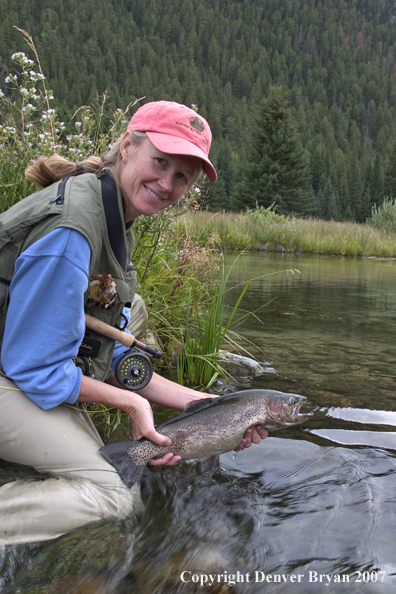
(384, 215)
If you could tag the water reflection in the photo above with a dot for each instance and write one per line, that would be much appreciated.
(358, 415)
(328, 331)
(375, 439)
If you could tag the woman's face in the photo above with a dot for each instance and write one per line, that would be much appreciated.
(151, 180)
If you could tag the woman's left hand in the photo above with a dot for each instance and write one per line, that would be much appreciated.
(252, 435)
(169, 460)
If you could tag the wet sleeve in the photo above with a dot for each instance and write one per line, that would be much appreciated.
(45, 321)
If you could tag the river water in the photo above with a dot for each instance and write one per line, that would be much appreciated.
(309, 509)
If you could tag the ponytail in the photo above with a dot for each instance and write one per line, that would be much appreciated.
(45, 171)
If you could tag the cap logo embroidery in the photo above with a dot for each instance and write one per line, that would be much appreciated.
(197, 124)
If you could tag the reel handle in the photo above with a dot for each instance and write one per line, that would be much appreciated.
(123, 337)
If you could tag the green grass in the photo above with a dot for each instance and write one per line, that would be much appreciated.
(205, 332)
(290, 235)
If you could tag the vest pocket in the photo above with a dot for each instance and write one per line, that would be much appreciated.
(126, 288)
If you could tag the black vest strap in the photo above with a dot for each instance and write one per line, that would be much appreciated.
(115, 229)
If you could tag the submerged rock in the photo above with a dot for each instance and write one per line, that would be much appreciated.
(240, 366)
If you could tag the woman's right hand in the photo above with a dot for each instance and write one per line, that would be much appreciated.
(137, 408)
(142, 421)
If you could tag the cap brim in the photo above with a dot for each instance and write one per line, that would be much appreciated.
(179, 146)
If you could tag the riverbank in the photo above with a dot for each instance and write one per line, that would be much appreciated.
(265, 231)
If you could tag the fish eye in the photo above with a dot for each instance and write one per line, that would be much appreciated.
(292, 401)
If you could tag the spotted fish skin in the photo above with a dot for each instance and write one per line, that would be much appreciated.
(207, 428)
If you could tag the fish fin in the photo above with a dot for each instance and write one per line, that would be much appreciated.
(211, 464)
(196, 405)
(117, 455)
(190, 409)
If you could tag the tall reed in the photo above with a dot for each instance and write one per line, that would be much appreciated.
(205, 332)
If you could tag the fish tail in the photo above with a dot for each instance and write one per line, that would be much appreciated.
(117, 455)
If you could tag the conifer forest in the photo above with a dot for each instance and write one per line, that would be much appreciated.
(300, 94)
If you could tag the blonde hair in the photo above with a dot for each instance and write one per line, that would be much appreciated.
(47, 170)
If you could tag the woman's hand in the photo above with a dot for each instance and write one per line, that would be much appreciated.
(252, 435)
(136, 407)
(142, 422)
(168, 460)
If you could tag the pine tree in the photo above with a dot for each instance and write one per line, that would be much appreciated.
(355, 185)
(276, 166)
(390, 175)
(219, 193)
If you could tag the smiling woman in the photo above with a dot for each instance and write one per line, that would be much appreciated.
(151, 180)
(58, 241)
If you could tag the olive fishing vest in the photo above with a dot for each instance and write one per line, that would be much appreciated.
(93, 207)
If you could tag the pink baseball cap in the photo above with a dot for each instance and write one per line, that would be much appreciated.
(175, 129)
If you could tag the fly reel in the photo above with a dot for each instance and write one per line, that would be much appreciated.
(133, 370)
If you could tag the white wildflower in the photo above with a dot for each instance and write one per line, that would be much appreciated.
(21, 58)
(36, 75)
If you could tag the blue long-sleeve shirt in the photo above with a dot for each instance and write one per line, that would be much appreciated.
(45, 319)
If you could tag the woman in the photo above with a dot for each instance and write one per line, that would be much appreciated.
(66, 252)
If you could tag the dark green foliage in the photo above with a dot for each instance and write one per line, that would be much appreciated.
(219, 193)
(334, 58)
(389, 188)
(275, 171)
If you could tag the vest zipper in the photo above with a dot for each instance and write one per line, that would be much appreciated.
(60, 197)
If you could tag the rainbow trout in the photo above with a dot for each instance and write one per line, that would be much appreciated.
(207, 428)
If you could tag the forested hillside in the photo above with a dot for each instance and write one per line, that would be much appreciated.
(334, 60)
